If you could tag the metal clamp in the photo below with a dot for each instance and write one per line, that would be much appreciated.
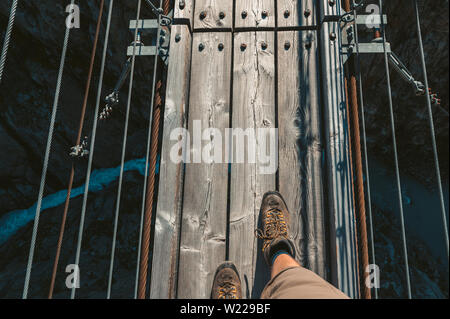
(80, 151)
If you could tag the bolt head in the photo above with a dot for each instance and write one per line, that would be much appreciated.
(307, 13)
(182, 4)
(222, 15)
(244, 14)
(221, 46)
(287, 45)
(308, 45)
(202, 15)
(264, 45)
(331, 3)
(287, 13)
(201, 47)
(264, 14)
(178, 37)
(243, 46)
(332, 36)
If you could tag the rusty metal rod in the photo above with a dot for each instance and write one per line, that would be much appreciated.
(359, 181)
(151, 181)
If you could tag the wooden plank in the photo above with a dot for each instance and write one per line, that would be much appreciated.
(343, 251)
(165, 248)
(184, 12)
(300, 145)
(292, 13)
(213, 14)
(252, 14)
(204, 221)
(253, 107)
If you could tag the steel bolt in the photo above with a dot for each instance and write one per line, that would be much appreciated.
(202, 15)
(331, 2)
(182, 4)
(307, 13)
(287, 45)
(178, 38)
(308, 45)
(332, 36)
(243, 46)
(221, 46)
(264, 14)
(287, 13)
(222, 15)
(244, 14)
(201, 47)
(264, 45)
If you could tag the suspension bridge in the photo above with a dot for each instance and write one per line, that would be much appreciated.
(289, 65)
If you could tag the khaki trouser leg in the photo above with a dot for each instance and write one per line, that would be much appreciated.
(300, 283)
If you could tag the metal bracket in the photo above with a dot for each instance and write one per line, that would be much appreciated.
(165, 20)
(375, 47)
(366, 48)
(151, 26)
(348, 43)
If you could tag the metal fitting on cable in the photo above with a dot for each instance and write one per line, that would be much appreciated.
(81, 150)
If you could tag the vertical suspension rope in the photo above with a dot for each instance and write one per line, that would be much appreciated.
(9, 28)
(350, 159)
(430, 118)
(363, 255)
(369, 196)
(150, 165)
(394, 142)
(124, 145)
(45, 164)
(72, 171)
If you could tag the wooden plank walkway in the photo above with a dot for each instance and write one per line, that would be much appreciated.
(220, 78)
(253, 107)
(204, 219)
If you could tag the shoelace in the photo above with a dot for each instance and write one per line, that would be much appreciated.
(274, 227)
(228, 291)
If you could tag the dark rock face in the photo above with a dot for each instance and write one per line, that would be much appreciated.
(95, 253)
(411, 115)
(429, 277)
(27, 93)
(26, 97)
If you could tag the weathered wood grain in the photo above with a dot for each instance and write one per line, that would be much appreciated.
(253, 107)
(165, 248)
(292, 13)
(300, 145)
(255, 13)
(342, 232)
(213, 14)
(184, 11)
(204, 221)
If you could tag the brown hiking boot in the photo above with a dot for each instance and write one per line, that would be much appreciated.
(275, 226)
(227, 284)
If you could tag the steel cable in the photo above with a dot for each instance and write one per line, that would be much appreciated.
(92, 147)
(124, 144)
(9, 28)
(394, 142)
(46, 159)
(72, 171)
(145, 224)
(433, 134)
